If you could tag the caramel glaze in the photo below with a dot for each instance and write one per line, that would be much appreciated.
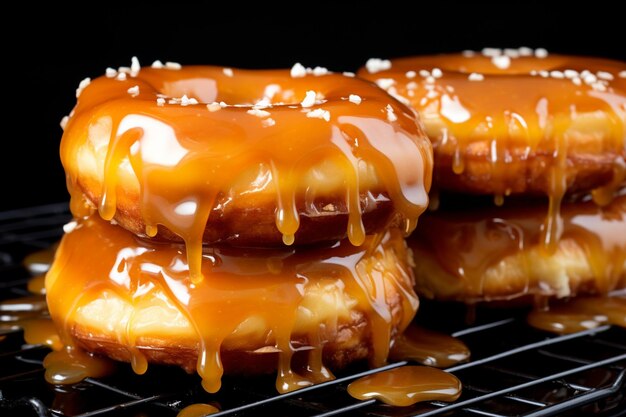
(580, 313)
(407, 385)
(133, 299)
(496, 253)
(197, 410)
(429, 348)
(547, 125)
(246, 173)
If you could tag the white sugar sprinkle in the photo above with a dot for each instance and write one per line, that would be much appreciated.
(309, 99)
(157, 64)
(570, 73)
(374, 65)
(525, 51)
(577, 81)
(385, 83)
(474, 76)
(133, 91)
(410, 74)
(424, 73)
(501, 61)
(121, 76)
(349, 74)
(317, 71)
(160, 101)
(258, 113)
(82, 85)
(268, 122)
(544, 73)
(212, 107)
(110, 72)
(353, 98)
(557, 74)
(228, 72)
(541, 53)
(64, 121)
(298, 70)
(437, 73)
(173, 65)
(319, 114)
(590, 78)
(492, 52)
(605, 75)
(391, 116)
(135, 67)
(68, 227)
(511, 53)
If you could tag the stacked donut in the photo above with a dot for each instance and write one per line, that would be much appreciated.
(238, 221)
(545, 135)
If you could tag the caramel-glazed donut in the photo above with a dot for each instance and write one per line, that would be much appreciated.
(254, 158)
(132, 299)
(516, 121)
(497, 253)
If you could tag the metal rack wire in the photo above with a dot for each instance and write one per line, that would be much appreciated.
(514, 371)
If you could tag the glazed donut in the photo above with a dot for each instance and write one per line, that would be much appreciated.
(255, 158)
(516, 121)
(132, 299)
(496, 253)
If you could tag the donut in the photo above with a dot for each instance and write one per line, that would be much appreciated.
(249, 157)
(496, 253)
(516, 121)
(299, 310)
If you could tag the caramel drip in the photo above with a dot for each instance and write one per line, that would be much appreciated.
(604, 195)
(580, 313)
(407, 385)
(429, 348)
(470, 247)
(197, 410)
(39, 262)
(255, 300)
(71, 365)
(176, 164)
(37, 285)
(30, 314)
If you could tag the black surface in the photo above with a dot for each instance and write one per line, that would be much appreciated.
(515, 370)
(44, 58)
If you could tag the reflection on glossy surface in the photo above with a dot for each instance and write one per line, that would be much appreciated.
(252, 300)
(197, 410)
(407, 385)
(196, 145)
(429, 348)
(580, 313)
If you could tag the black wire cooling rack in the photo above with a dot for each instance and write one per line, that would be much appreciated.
(515, 370)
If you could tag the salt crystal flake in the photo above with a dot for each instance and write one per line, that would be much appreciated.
(557, 74)
(353, 98)
(135, 67)
(173, 65)
(68, 227)
(64, 121)
(228, 72)
(317, 71)
(82, 85)
(437, 73)
(474, 76)
(121, 76)
(525, 51)
(319, 114)
(491, 52)
(622, 74)
(298, 70)
(215, 106)
(258, 113)
(541, 53)
(391, 116)
(157, 64)
(271, 90)
(501, 61)
(309, 99)
(268, 122)
(605, 75)
(410, 74)
(133, 91)
(385, 83)
(374, 65)
(110, 72)
(160, 101)
(349, 74)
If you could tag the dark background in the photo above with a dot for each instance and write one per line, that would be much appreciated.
(50, 49)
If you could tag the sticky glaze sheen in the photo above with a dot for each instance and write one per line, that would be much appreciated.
(264, 305)
(175, 164)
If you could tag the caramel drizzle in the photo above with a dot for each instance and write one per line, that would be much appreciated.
(218, 306)
(201, 153)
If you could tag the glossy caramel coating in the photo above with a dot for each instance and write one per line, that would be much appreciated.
(509, 123)
(133, 299)
(497, 253)
(256, 158)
